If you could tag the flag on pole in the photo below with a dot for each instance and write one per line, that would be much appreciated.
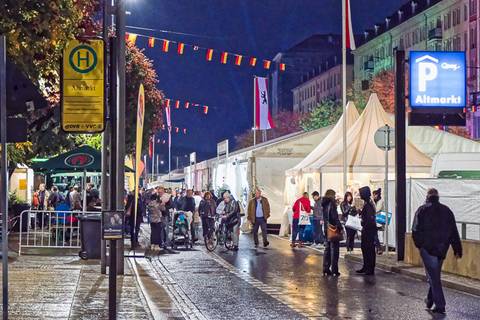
(167, 103)
(263, 119)
(224, 57)
(253, 61)
(168, 116)
(151, 141)
(209, 55)
(177, 104)
(282, 66)
(187, 105)
(166, 44)
(138, 146)
(131, 37)
(349, 37)
(266, 64)
(238, 59)
(205, 109)
(180, 47)
(151, 42)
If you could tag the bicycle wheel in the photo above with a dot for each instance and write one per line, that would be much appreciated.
(228, 240)
(211, 241)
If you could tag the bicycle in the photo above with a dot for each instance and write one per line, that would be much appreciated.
(220, 234)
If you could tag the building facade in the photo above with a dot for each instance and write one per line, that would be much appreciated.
(326, 85)
(449, 25)
(300, 60)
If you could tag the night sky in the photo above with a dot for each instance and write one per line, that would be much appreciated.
(258, 28)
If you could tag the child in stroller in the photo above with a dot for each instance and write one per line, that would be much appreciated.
(181, 230)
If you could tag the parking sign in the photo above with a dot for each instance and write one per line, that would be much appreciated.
(437, 79)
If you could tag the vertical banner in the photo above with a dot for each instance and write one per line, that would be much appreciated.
(263, 119)
(138, 148)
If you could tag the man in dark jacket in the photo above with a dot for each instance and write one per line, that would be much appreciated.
(434, 230)
(369, 230)
(188, 204)
(318, 222)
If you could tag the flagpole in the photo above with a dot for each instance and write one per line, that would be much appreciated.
(254, 113)
(153, 157)
(344, 92)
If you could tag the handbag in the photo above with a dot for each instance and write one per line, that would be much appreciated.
(354, 222)
(380, 218)
(304, 219)
(334, 233)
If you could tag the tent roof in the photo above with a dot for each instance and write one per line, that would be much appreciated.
(433, 141)
(337, 131)
(79, 159)
(362, 153)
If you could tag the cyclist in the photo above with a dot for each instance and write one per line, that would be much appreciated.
(206, 210)
(231, 217)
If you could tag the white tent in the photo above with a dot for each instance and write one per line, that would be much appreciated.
(432, 141)
(365, 160)
(296, 180)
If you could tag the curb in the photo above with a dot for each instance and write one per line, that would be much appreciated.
(405, 271)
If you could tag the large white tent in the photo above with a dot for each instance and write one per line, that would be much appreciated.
(365, 161)
(297, 180)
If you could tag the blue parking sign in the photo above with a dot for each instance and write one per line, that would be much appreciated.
(437, 79)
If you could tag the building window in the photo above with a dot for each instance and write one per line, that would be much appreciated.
(465, 12)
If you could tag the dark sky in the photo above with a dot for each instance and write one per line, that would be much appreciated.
(252, 27)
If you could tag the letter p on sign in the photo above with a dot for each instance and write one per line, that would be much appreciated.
(427, 71)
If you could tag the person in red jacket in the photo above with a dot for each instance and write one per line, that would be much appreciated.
(302, 204)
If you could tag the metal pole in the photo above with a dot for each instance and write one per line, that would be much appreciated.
(254, 112)
(344, 96)
(4, 173)
(387, 148)
(170, 151)
(106, 133)
(112, 270)
(153, 157)
(400, 156)
(84, 191)
(120, 173)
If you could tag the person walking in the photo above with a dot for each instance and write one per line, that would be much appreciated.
(258, 212)
(434, 230)
(155, 222)
(207, 210)
(302, 204)
(318, 232)
(369, 229)
(348, 209)
(332, 247)
(43, 196)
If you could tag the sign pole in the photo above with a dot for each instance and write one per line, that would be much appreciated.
(387, 148)
(254, 113)
(4, 173)
(400, 157)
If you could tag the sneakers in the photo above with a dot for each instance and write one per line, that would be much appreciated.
(265, 244)
(428, 303)
(438, 310)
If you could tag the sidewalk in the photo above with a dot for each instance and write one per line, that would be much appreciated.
(390, 263)
(66, 287)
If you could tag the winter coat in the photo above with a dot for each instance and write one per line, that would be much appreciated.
(252, 209)
(434, 229)
(232, 212)
(155, 212)
(318, 209)
(305, 205)
(207, 208)
(188, 204)
(347, 210)
(330, 213)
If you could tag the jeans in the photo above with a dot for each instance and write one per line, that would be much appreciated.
(294, 229)
(351, 233)
(262, 223)
(330, 256)
(433, 269)
(318, 236)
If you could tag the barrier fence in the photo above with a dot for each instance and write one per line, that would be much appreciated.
(50, 229)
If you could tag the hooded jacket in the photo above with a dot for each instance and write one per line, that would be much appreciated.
(434, 229)
(368, 211)
(302, 203)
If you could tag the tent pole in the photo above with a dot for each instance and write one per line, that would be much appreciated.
(84, 206)
(344, 95)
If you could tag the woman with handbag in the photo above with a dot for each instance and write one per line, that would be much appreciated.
(301, 210)
(348, 209)
(334, 231)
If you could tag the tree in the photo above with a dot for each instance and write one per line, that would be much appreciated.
(286, 122)
(327, 112)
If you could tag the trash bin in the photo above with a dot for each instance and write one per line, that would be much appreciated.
(91, 235)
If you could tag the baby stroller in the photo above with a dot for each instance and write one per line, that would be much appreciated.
(181, 230)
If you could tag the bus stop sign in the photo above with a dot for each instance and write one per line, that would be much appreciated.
(83, 87)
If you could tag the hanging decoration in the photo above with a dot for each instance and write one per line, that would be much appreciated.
(238, 58)
(186, 104)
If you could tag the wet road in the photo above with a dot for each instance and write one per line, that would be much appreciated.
(281, 283)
